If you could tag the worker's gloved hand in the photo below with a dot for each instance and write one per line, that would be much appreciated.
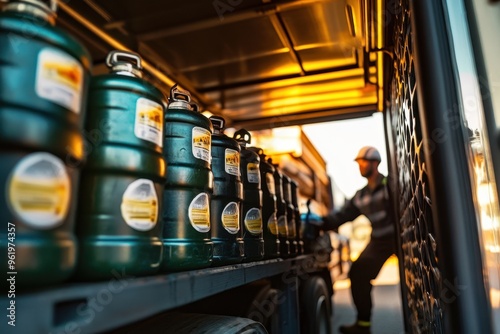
(312, 218)
(312, 226)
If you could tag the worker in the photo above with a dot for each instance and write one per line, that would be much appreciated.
(373, 202)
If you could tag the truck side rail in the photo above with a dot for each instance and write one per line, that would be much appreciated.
(90, 307)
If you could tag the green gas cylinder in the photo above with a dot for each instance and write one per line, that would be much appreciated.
(119, 222)
(269, 206)
(290, 215)
(251, 214)
(227, 196)
(189, 185)
(44, 76)
(298, 222)
(281, 209)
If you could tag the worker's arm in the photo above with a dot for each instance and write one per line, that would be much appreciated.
(334, 219)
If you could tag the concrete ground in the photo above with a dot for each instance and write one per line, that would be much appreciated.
(386, 295)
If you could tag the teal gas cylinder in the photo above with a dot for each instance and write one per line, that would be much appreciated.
(290, 215)
(121, 188)
(44, 76)
(269, 206)
(225, 209)
(189, 186)
(252, 199)
(281, 209)
(298, 222)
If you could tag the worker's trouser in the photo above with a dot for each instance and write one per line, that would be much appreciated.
(366, 268)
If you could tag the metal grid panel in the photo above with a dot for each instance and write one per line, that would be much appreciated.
(422, 277)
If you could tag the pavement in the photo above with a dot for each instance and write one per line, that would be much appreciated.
(386, 296)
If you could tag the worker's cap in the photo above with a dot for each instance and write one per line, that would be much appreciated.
(368, 153)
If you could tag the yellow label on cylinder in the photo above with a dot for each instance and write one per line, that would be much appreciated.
(232, 162)
(282, 226)
(231, 217)
(272, 224)
(199, 213)
(59, 78)
(139, 206)
(149, 121)
(253, 173)
(253, 221)
(39, 190)
(270, 183)
(202, 140)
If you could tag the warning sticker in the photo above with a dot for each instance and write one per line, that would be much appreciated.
(231, 217)
(59, 79)
(139, 206)
(232, 162)
(199, 213)
(253, 173)
(253, 221)
(202, 140)
(39, 190)
(149, 121)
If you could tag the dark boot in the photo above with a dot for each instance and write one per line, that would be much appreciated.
(355, 328)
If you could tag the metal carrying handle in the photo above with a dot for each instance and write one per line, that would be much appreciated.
(180, 99)
(176, 92)
(194, 106)
(131, 58)
(218, 122)
(243, 135)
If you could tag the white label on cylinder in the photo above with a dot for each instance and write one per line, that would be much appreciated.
(139, 206)
(149, 121)
(270, 183)
(202, 140)
(199, 213)
(59, 78)
(231, 217)
(39, 190)
(253, 173)
(272, 224)
(253, 221)
(282, 226)
(232, 162)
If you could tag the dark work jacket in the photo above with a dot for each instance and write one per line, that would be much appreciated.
(375, 205)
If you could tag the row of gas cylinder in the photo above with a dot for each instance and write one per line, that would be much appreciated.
(101, 174)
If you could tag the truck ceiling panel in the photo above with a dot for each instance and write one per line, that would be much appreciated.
(317, 23)
(220, 45)
(144, 17)
(319, 58)
(247, 60)
(243, 71)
